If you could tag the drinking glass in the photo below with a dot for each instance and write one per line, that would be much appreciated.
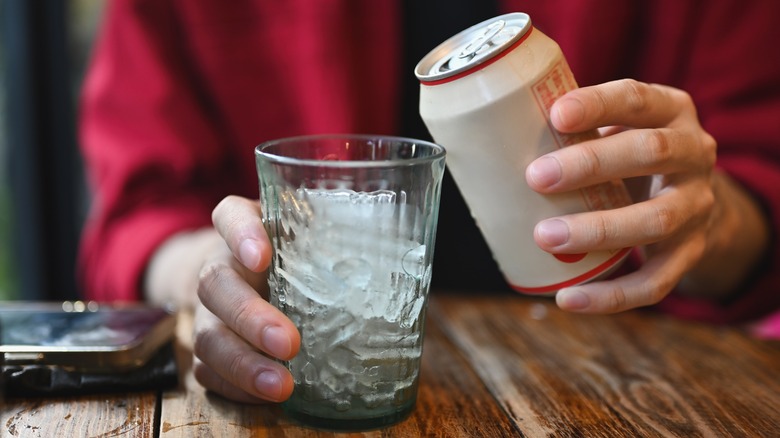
(352, 221)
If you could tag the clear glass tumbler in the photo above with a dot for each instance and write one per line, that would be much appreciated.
(352, 220)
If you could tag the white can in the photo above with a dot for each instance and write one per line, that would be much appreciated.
(485, 95)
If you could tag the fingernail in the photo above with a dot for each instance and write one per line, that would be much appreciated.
(572, 300)
(276, 342)
(553, 232)
(249, 254)
(545, 171)
(269, 383)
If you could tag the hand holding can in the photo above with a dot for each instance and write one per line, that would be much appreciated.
(486, 95)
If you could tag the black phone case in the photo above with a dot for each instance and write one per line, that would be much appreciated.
(159, 373)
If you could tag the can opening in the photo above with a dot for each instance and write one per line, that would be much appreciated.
(473, 46)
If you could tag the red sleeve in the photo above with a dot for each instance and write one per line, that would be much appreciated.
(140, 117)
(734, 77)
(179, 92)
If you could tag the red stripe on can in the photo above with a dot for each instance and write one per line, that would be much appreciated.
(576, 280)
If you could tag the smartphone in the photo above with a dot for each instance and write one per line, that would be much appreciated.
(83, 336)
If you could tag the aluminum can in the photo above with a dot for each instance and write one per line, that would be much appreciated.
(485, 95)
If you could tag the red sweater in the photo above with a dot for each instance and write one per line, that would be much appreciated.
(179, 92)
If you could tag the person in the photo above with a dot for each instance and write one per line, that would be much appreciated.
(179, 93)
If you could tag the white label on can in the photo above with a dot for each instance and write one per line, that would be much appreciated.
(557, 82)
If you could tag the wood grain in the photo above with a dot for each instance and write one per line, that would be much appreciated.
(493, 366)
(632, 374)
(452, 402)
(114, 415)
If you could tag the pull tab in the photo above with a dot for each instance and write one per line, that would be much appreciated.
(481, 41)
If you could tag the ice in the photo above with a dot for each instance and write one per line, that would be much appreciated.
(331, 380)
(308, 285)
(413, 261)
(378, 399)
(351, 273)
(357, 250)
(354, 272)
(339, 335)
(412, 311)
(344, 360)
(396, 339)
(309, 372)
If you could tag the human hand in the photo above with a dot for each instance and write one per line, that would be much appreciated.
(651, 137)
(237, 333)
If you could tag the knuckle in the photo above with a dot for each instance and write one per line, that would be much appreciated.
(599, 102)
(617, 299)
(659, 284)
(201, 372)
(230, 213)
(706, 201)
(222, 205)
(683, 98)
(636, 95)
(202, 341)
(236, 365)
(242, 315)
(656, 294)
(699, 206)
(602, 231)
(209, 348)
(710, 148)
(665, 222)
(210, 275)
(658, 146)
(660, 289)
(590, 161)
(198, 368)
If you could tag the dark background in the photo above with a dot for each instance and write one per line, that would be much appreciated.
(44, 45)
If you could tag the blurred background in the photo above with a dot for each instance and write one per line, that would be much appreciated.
(44, 49)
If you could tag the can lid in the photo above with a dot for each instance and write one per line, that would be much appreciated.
(472, 47)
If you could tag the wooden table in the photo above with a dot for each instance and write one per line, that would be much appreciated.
(493, 366)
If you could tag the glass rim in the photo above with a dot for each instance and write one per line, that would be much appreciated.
(438, 151)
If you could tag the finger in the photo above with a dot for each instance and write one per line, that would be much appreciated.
(674, 210)
(239, 221)
(214, 382)
(624, 102)
(231, 366)
(647, 286)
(223, 256)
(224, 292)
(624, 155)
